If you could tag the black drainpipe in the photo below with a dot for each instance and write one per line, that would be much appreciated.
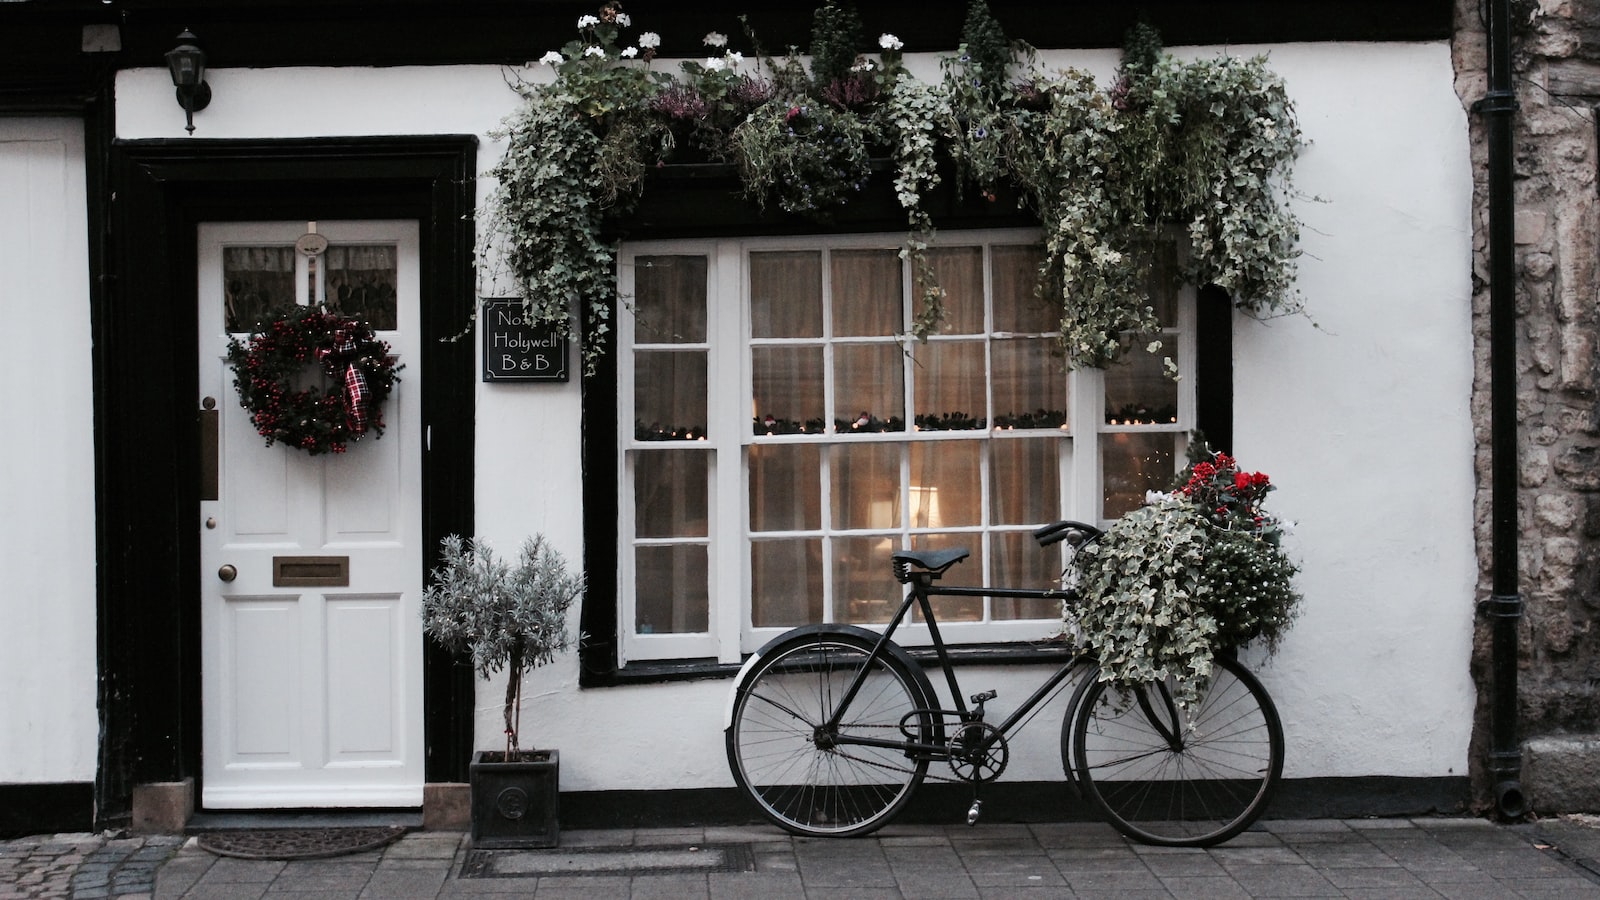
(1504, 606)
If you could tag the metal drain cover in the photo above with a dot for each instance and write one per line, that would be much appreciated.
(298, 843)
(609, 861)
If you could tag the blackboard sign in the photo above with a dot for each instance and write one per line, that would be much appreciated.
(516, 351)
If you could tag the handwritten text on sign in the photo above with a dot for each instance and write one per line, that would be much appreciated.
(516, 351)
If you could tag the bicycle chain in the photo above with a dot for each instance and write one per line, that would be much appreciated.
(892, 768)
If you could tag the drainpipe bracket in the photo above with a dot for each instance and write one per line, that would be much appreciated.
(1501, 606)
(1496, 103)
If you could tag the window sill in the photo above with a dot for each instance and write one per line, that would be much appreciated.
(1009, 654)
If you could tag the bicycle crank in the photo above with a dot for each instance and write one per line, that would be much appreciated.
(979, 753)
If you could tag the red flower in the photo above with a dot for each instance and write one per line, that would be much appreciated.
(1241, 480)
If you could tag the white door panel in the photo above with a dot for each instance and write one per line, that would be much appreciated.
(312, 694)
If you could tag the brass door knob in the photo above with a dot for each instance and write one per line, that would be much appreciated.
(227, 573)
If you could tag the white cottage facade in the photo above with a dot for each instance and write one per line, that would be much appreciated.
(131, 660)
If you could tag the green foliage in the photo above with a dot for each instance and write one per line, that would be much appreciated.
(1177, 581)
(835, 39)
(504, 617)
(1207, 144)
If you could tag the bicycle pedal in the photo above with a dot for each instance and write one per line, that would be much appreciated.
(973, 811)
(984, 697)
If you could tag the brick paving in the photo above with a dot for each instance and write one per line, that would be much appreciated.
(1357, 858)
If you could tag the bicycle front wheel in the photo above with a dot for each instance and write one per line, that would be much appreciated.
(802, 776)
(1171, 776)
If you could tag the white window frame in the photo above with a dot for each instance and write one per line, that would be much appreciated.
(728, 347)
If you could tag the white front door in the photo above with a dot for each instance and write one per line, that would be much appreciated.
(311, 566)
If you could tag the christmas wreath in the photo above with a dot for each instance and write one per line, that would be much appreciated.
(267, 366)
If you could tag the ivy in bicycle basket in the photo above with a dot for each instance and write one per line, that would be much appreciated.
(1188, 575)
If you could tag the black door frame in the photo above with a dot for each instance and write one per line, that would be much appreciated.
(146, 384)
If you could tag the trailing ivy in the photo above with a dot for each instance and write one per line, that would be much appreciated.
(1205, 144)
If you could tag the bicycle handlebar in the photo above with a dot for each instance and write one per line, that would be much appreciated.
(1075, 533)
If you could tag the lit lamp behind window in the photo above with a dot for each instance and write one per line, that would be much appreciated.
(187, 63)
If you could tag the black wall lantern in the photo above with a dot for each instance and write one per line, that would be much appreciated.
(187, 63)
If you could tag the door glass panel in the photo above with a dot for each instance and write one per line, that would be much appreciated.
(670, 493)
(1138, 389)
(361, 282)
(669, 395)
(258, 284)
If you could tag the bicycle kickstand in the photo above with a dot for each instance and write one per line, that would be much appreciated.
(976, 809)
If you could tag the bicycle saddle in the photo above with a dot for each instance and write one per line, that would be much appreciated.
(935, 561)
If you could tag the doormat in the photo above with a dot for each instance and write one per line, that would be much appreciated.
(609, 861)
(299, 843)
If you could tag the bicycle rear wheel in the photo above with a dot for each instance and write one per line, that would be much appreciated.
(801, 776)
(1165, 775)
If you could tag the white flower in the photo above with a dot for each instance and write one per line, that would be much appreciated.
(649, 40)
(587, 21)
(716, 39)
(1154, 497)
(715, 64)
(623, 21)
(552, 58)
(630, 52)
(594, 50)
(734, 58)
(865, 65)
(889, 42)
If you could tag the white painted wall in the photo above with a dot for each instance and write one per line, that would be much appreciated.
(1358, 411)
(48, 720)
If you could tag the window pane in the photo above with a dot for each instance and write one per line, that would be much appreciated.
(669, 395)
(1163, 283)
(360, 282)
(1030, 384)
(959, 271)
(1132, 463)
(670, 590)
(259, 284)
(785, 583)
(787, 382)
(867, 293)
(785, 488)
(864, 589)
(1017, 305)
(1019, 561)
(786, 295)
(868, 388)
(950, 378)
(670, 490)
(669, 299)
(1024, 482)
(967, 573)
(865, 485)
(945, 486)
(1138, 389)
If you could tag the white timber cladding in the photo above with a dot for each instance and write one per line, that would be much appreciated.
(729, 536)
(1358, 411)
(48, 720)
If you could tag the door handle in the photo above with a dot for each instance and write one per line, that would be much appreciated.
(227, 573)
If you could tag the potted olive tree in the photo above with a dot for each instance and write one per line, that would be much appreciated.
(513, 618)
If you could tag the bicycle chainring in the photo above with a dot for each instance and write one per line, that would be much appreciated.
(972, 763)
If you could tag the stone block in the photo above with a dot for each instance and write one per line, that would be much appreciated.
(446, 806)
(1561, 774)
(163, 807)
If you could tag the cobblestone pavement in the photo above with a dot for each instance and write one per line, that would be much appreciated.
(87, 866)
(1366, 858)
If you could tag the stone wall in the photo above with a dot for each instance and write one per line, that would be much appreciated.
(1557, 82)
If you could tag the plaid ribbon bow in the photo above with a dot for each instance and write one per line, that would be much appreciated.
(356, 392)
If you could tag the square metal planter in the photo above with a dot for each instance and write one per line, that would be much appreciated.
(514, 804)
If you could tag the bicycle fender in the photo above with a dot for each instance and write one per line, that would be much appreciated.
(894, 650)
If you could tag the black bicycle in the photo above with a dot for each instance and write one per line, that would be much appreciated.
(833, 727)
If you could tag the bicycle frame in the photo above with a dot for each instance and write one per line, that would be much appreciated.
(922, 588)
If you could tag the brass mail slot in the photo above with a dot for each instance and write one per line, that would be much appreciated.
(311, 571)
